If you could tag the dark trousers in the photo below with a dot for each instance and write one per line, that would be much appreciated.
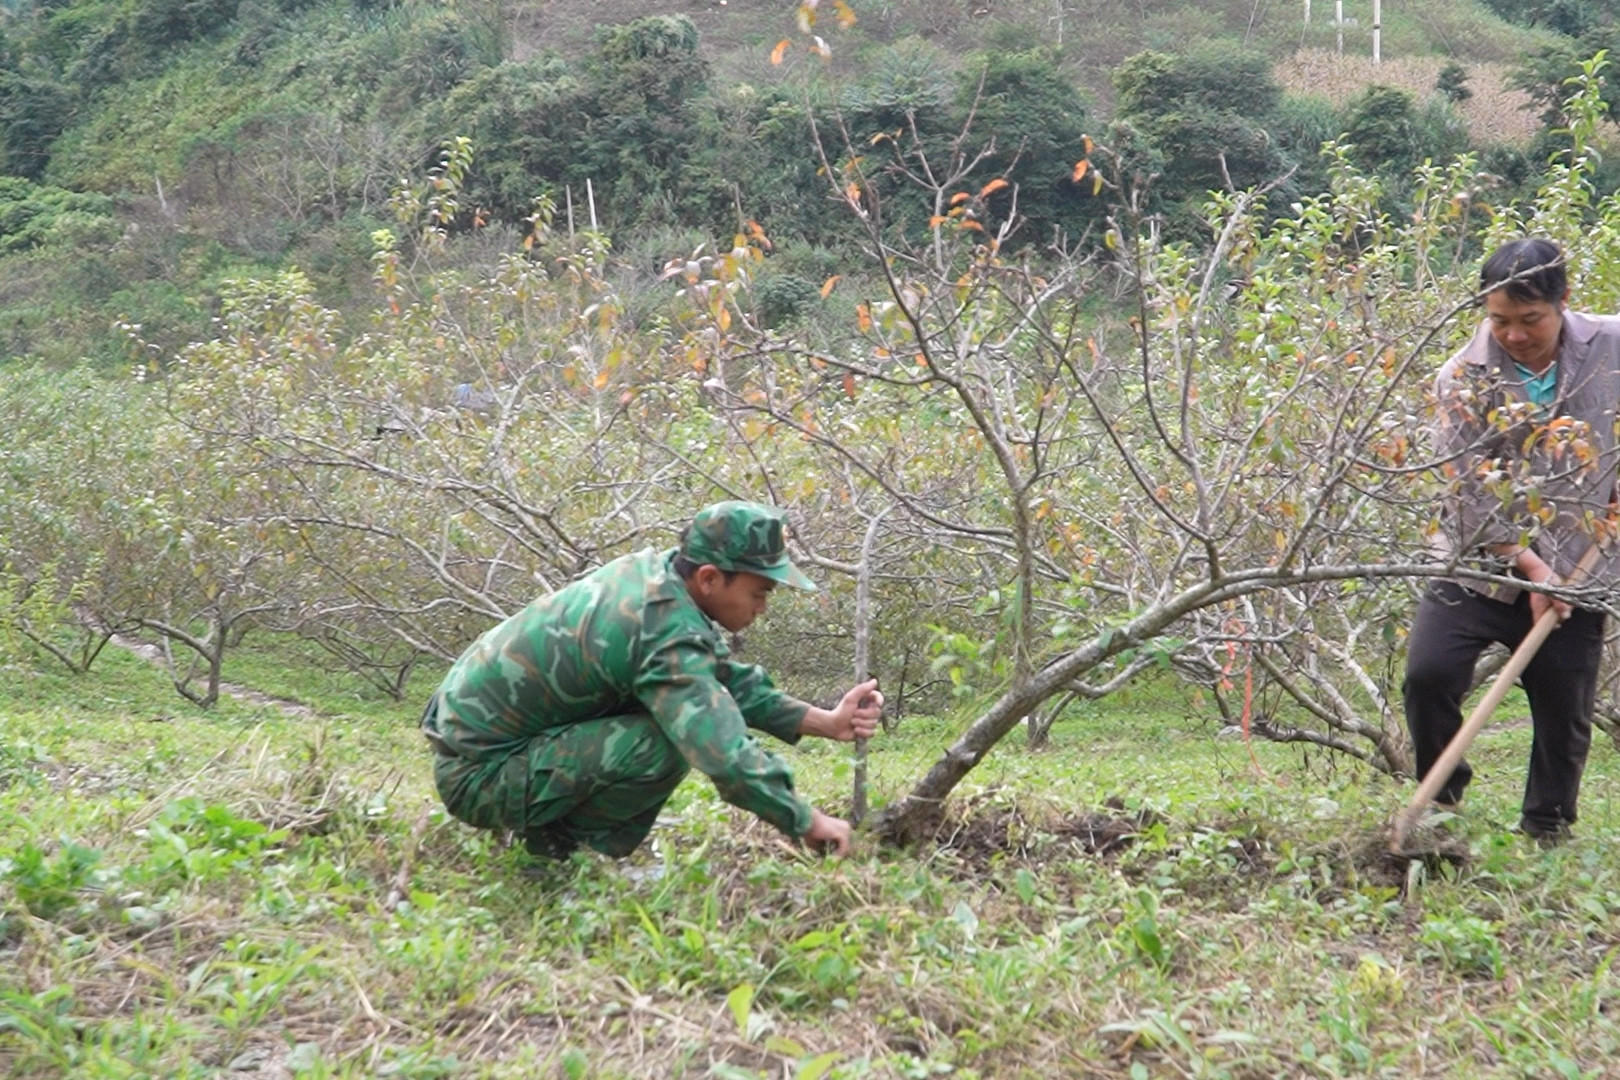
(1453, 626)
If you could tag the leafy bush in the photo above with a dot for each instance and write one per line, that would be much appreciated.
(32, 215)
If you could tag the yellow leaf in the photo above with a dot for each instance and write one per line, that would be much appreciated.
(828, 285)
(992, 187)
(1096, 183)
(780, 51)
(600, 380)
(725, 318)
(806, 17)
(1085, 141)
(846, 14)
(1080, 168)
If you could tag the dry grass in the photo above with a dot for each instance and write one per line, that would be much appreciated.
(1495, 113)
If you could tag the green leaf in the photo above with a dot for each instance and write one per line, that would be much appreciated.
(574, 1064)
(817, 1066)
(781, 1044)
(741, 1003)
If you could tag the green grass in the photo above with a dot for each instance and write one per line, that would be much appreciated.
(184, 892)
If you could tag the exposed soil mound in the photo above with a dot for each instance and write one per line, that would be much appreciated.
(1375, 862)
(979, 830)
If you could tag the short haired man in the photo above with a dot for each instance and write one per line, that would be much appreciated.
(1524, 504)
(574, 720)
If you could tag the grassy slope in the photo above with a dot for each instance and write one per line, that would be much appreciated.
(1094, 35)
(1247, 934)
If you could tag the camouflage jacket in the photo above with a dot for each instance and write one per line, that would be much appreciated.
(626, 638)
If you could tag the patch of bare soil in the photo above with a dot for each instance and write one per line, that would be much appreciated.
(1375, 862)
(990, 828)
(979, 830)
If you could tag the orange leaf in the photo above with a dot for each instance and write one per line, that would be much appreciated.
(846, 14)
(1080, 168)
(852, 192)
(960, 196)
(863, 317)
(993, 186)
(828, 285)
(936, 221)
(780, 51)
(972, 225)
(849, 386)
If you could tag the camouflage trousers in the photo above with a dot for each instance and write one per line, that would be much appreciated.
(599, 782)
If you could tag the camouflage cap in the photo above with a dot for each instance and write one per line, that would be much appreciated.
(743, 536)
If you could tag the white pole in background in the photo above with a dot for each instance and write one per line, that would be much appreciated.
(1378, 25)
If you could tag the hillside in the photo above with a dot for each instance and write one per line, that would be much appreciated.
(233, 139)
(1094, 36)
(1495, 112)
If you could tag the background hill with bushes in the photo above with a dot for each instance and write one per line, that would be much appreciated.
(156, 149)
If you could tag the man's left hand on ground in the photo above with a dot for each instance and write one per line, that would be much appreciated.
(855, 717)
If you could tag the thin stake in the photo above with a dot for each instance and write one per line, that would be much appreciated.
(863, 657)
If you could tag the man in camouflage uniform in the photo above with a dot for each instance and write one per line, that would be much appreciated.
(573, 721)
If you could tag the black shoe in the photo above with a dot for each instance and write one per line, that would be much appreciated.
(549, 842)
(1544, 836)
